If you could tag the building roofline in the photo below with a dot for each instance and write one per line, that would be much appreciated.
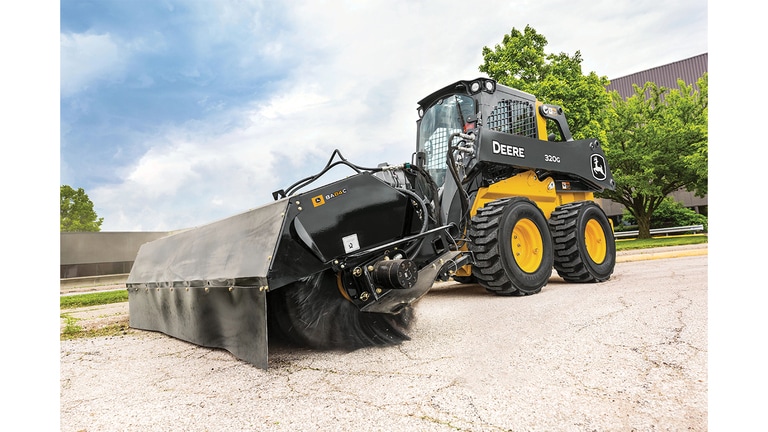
(661, 66)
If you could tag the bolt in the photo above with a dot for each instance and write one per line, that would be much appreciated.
(364, 296)
(357, 271)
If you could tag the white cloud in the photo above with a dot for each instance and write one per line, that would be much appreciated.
(363, 68)
(86, 58)
(291, 103)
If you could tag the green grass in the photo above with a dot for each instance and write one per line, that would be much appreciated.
(93, 299)
(629, 244)
(71, 327)
(76, 332)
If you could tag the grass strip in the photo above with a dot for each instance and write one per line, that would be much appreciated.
(93, 299)
(629, 244)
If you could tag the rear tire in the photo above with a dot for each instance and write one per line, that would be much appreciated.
(512, 247)
(585, 249)
(311, 312)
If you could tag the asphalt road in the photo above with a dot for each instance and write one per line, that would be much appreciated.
(627, 354)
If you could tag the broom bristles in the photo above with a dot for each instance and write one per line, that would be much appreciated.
(312, 313)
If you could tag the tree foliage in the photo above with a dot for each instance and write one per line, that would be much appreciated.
(77, 212)
(656, 143)
(521, 62)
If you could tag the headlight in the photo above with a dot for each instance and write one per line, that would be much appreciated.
(490, 86)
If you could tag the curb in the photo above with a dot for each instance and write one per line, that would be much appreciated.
(662, 253)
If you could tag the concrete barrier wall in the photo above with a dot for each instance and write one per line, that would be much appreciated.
(84, 254)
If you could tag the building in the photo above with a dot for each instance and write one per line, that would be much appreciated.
(689, 70)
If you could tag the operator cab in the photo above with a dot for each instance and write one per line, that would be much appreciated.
(444, 119)
(462, 108)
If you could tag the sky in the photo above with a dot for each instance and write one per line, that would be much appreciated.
(177, 113)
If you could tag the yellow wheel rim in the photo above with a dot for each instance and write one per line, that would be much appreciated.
(594, 239)
(527, 245)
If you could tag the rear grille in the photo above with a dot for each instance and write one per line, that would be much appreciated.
(513, 117)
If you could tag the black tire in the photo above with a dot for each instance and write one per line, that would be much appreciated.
(471, 279)
(585, 249)
(312, 313)
(508, 266)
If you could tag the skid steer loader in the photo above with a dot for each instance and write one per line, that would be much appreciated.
(489, 197)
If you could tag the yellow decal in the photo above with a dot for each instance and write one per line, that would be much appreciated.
(321, 199)
(318, 201)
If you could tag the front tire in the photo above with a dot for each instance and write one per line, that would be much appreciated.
(585, 249)
(512, 247)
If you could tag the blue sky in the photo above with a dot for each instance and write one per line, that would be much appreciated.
(178, 113)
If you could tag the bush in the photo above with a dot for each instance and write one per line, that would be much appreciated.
(670, 214)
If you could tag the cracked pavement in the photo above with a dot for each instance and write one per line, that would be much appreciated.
(626, 354)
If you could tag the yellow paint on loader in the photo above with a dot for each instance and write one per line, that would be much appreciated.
(542, 192)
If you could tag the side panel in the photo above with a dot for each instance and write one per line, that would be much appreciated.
(525, 184)
(332, 221)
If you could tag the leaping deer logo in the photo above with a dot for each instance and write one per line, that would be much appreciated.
(598, 167)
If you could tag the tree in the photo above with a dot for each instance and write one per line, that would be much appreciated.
(520, 62)
(670, 213)
(77, 212)
(656, 143)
